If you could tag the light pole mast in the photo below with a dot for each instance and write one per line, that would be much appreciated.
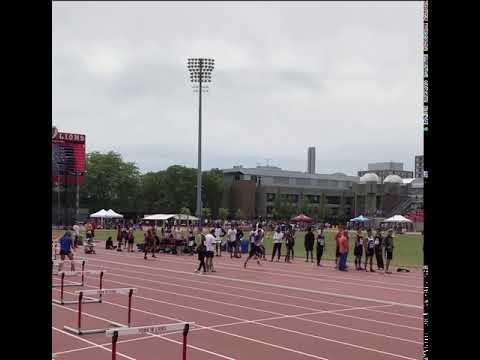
(200, 72)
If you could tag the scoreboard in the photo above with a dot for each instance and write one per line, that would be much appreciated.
(68, 158)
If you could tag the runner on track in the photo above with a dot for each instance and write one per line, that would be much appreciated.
(320, 245)
(255, 247)
(369, 250)
(66, 249)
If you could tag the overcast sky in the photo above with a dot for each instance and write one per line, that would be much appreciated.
(345, 77)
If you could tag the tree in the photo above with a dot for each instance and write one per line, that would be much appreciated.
(185, 211)
(239, 214)
(222, 213)
(323, 207)
(303, 204)
(206, 213)
(110, 182)
(212, 190)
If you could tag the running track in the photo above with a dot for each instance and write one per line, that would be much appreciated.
(273, 311)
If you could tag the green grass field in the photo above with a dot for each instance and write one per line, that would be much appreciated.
(407, 252)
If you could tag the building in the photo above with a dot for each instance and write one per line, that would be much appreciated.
(311, 160)
(384, 169)
(419, 166)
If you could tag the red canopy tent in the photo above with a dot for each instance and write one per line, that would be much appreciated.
(301, 217)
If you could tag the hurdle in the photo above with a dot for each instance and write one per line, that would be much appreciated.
(150, 329)
(77, 261)
(100, 292)
(72, 273)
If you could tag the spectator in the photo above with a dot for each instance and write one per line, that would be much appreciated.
(343, 250)
(277, 243)
(378, 241)
(309, 241)
(109, 244)
(358, 250)
(388, 250)
(320, 245)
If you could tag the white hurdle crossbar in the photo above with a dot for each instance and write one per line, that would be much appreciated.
(100, 292)
(77, 261)
(79, 272)
(149, 329)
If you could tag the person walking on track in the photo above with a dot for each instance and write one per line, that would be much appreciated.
(388, 250)
(255, 247)
(210, 248)
(309, 241)
(277, 243)
(378, 240)
(201, 251)
(358, 250)
(66, 249)
(149, 243)
(369, 250)
(320, 245)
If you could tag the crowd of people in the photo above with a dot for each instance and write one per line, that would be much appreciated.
(367, 244)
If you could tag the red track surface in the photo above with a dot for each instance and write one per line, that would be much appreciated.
(273, 311)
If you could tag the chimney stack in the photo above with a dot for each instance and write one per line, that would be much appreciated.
(311, 160)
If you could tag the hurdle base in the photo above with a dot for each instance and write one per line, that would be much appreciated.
(83, 332)
(65, 285)
(70, 302)
(91, 331)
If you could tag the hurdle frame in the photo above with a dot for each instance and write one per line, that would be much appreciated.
(80, 293)
(86, 299)
(78, 261)
(149, 329)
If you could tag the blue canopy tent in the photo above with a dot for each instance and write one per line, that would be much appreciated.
(360, 218)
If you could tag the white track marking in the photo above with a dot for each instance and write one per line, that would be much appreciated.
(261, 324)
(325, 278)
(91, 343)
(252, 290)
(272, 312)
(151, 335)
(387, 302)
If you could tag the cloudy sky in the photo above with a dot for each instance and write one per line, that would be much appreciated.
(345, 77)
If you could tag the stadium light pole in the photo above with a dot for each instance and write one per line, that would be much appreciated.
(200, 72)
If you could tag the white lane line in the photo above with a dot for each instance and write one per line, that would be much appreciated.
(248, 290)
(258, 323)
(151, 335)
(90, 342)
(272, 312)
(321, 277)
(387, 302)
(223, 332)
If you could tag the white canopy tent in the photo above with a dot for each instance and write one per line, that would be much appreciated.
(398, 219)
(99, 214)
(110, 214)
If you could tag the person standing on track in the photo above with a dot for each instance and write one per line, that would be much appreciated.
(389, 250)
(369, 250)
(130, 240)
(261, 246)
(238, 253)
(289, 244)
(277, 243)
(320, 245)
(343, 249)
(218, 239)
(337, 248)
(358, 250)
(76, 230)
(66, 249)
(232, 238)
(378, 240)
(149, 244)
(309, 241)
(210, 247)
(255, 247)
